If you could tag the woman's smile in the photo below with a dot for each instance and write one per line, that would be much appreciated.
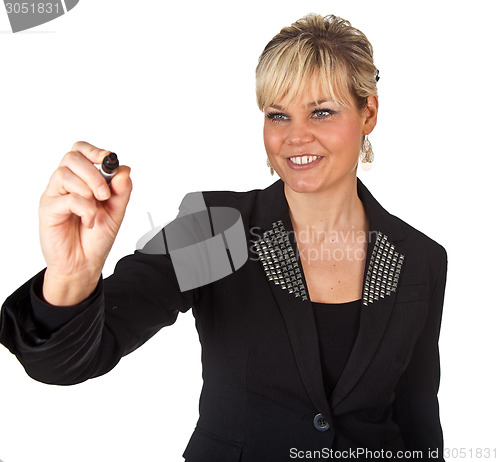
(303, 161)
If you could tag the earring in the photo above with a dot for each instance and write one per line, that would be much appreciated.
(270, 166)
(366, 154)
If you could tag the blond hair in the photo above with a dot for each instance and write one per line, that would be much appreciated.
(326, 52)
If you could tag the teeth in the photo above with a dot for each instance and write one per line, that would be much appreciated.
(302, 160)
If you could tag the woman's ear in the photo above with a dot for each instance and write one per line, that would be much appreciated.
(370, 112)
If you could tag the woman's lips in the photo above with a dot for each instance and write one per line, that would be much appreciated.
(303, 158)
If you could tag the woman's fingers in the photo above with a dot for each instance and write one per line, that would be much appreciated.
(74, 166)
(57, 209)
(92, 153)
(80, 161)
(64, 181)
(77, 175)
(82, 167)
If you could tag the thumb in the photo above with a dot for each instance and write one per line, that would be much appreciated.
(121, 184)
(121, 188)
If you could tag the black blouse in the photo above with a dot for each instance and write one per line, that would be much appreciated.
(337, 325)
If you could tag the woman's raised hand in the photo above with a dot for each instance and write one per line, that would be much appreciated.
(79, 219)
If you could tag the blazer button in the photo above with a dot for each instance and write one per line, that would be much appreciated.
(320, 423)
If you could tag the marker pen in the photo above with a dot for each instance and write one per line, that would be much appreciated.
(109, 166)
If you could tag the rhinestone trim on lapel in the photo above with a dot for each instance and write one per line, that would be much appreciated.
(383, 270)
(279, 262)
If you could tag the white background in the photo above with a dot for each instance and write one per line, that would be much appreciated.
(170, 88)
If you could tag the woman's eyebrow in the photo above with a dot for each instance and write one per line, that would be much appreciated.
(313, 103)
(321, 101)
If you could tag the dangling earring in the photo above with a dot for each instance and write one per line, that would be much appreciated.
(270, 166)
(366, 154)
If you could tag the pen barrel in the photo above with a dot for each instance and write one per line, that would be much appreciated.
(109, 166)
(107, 176)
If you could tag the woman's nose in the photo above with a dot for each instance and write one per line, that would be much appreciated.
(299, 132)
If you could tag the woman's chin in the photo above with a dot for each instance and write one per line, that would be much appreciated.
(302, 185)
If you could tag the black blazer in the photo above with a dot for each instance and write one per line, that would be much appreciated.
(263, 397)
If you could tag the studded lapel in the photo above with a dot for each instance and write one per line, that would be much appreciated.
(290, 292)
(384, 268)
(280, 261)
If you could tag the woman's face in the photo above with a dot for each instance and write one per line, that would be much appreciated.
(314, 145)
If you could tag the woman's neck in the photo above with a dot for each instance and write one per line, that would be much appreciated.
(337, 207)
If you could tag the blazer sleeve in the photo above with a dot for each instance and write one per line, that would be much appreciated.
(416, 408)
(67, 346)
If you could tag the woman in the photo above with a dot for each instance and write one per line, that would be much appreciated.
(324, 343)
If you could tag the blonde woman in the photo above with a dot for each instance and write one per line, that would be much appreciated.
(325, 342)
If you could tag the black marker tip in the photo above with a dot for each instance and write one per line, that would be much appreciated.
(110, 163)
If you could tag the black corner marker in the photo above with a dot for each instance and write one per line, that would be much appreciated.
(109, 166)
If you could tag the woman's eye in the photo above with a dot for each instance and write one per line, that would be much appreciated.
(277, 117)
(322, 113)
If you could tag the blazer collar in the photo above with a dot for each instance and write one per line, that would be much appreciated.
(280, 260)
(272, 206)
